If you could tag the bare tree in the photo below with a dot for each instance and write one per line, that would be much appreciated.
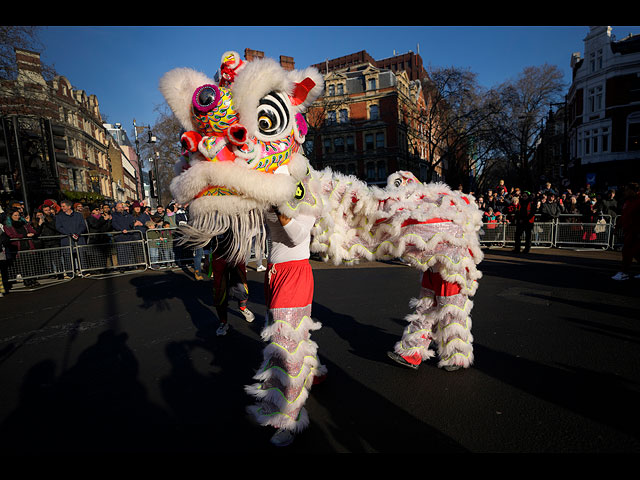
(524, 102)
(165, 152)
(455, 118)
(25, 37)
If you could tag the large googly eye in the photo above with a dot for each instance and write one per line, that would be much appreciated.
(273, 114)
(206, 98)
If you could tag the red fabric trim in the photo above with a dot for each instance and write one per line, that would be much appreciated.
(442, 288)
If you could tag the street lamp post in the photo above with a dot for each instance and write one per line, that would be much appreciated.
(151, 139)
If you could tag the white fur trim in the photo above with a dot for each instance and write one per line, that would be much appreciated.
(177, 87)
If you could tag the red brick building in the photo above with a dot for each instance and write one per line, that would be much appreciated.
(367, 123)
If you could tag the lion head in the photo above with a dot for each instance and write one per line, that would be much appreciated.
(241, 143)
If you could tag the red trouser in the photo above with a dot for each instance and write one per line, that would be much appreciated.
(289, 284)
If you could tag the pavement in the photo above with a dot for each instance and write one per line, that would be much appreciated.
(131, 364)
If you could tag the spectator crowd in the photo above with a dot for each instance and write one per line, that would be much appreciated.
(58, 224)
(549, 203)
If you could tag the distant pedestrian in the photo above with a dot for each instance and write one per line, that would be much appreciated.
(525, 213)
(630, 224)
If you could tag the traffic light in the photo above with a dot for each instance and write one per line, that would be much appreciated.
(4, 147)
(152, 185)
(58, 138)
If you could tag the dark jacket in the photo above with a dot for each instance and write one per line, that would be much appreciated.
(98, 225)
(122, 221)
(48, 229)
(72, 224)
(142, 218)
(549, 211)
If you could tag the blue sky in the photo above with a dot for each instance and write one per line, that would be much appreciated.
(121, 65)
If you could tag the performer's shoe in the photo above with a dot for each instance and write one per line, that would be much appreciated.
(248, 315)
(620, 276)
(261, 268)
(198, 276)
(222, 329)
(451, 368)
(282, 438)
(398, 359)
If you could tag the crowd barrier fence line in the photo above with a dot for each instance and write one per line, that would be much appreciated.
(566, 231)
(60, 258)
(97, 254)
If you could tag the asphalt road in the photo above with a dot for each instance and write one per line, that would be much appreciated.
(131, 363)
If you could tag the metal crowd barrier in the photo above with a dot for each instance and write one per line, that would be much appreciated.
(60, 258)
(565, 231)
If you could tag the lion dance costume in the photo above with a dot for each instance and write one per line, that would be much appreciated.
(242, 157)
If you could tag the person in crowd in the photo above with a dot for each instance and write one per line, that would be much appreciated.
(98, 222)
(21, 235)
(549, 190)
(169, 216)
(481, 203)
(122, 221)
(140, 219)
(524, 217)
(610, 205)
(501, 189)
(71, 224)
(501, 205)
(160, 210)
(157, 241)
(50, 237)
(630, 225)
(47, 228)
(549, 209)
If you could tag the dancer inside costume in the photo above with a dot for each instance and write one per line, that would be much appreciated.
(229, 282)
(290, 362)
(442, 316)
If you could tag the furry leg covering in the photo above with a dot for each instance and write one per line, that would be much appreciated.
(290, 363)
(445, 320)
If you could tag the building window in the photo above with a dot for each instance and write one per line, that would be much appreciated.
(373, 112)
(340, 89)
(332, 90)
(382, 170)
(594, 99)
(351, 169)
(633, 133)
(338, 145)
(327, 145)
(380, 140)
(368, 141)
(371, 83)
(605, 139)
(350, 144)
(308, 147)
(344, 115)
(371, 171)
(596, 60)
(331, 118)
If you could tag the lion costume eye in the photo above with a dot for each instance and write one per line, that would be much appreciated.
(273, 114)
(206, 98)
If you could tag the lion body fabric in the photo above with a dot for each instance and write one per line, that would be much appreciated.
(243, 158)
